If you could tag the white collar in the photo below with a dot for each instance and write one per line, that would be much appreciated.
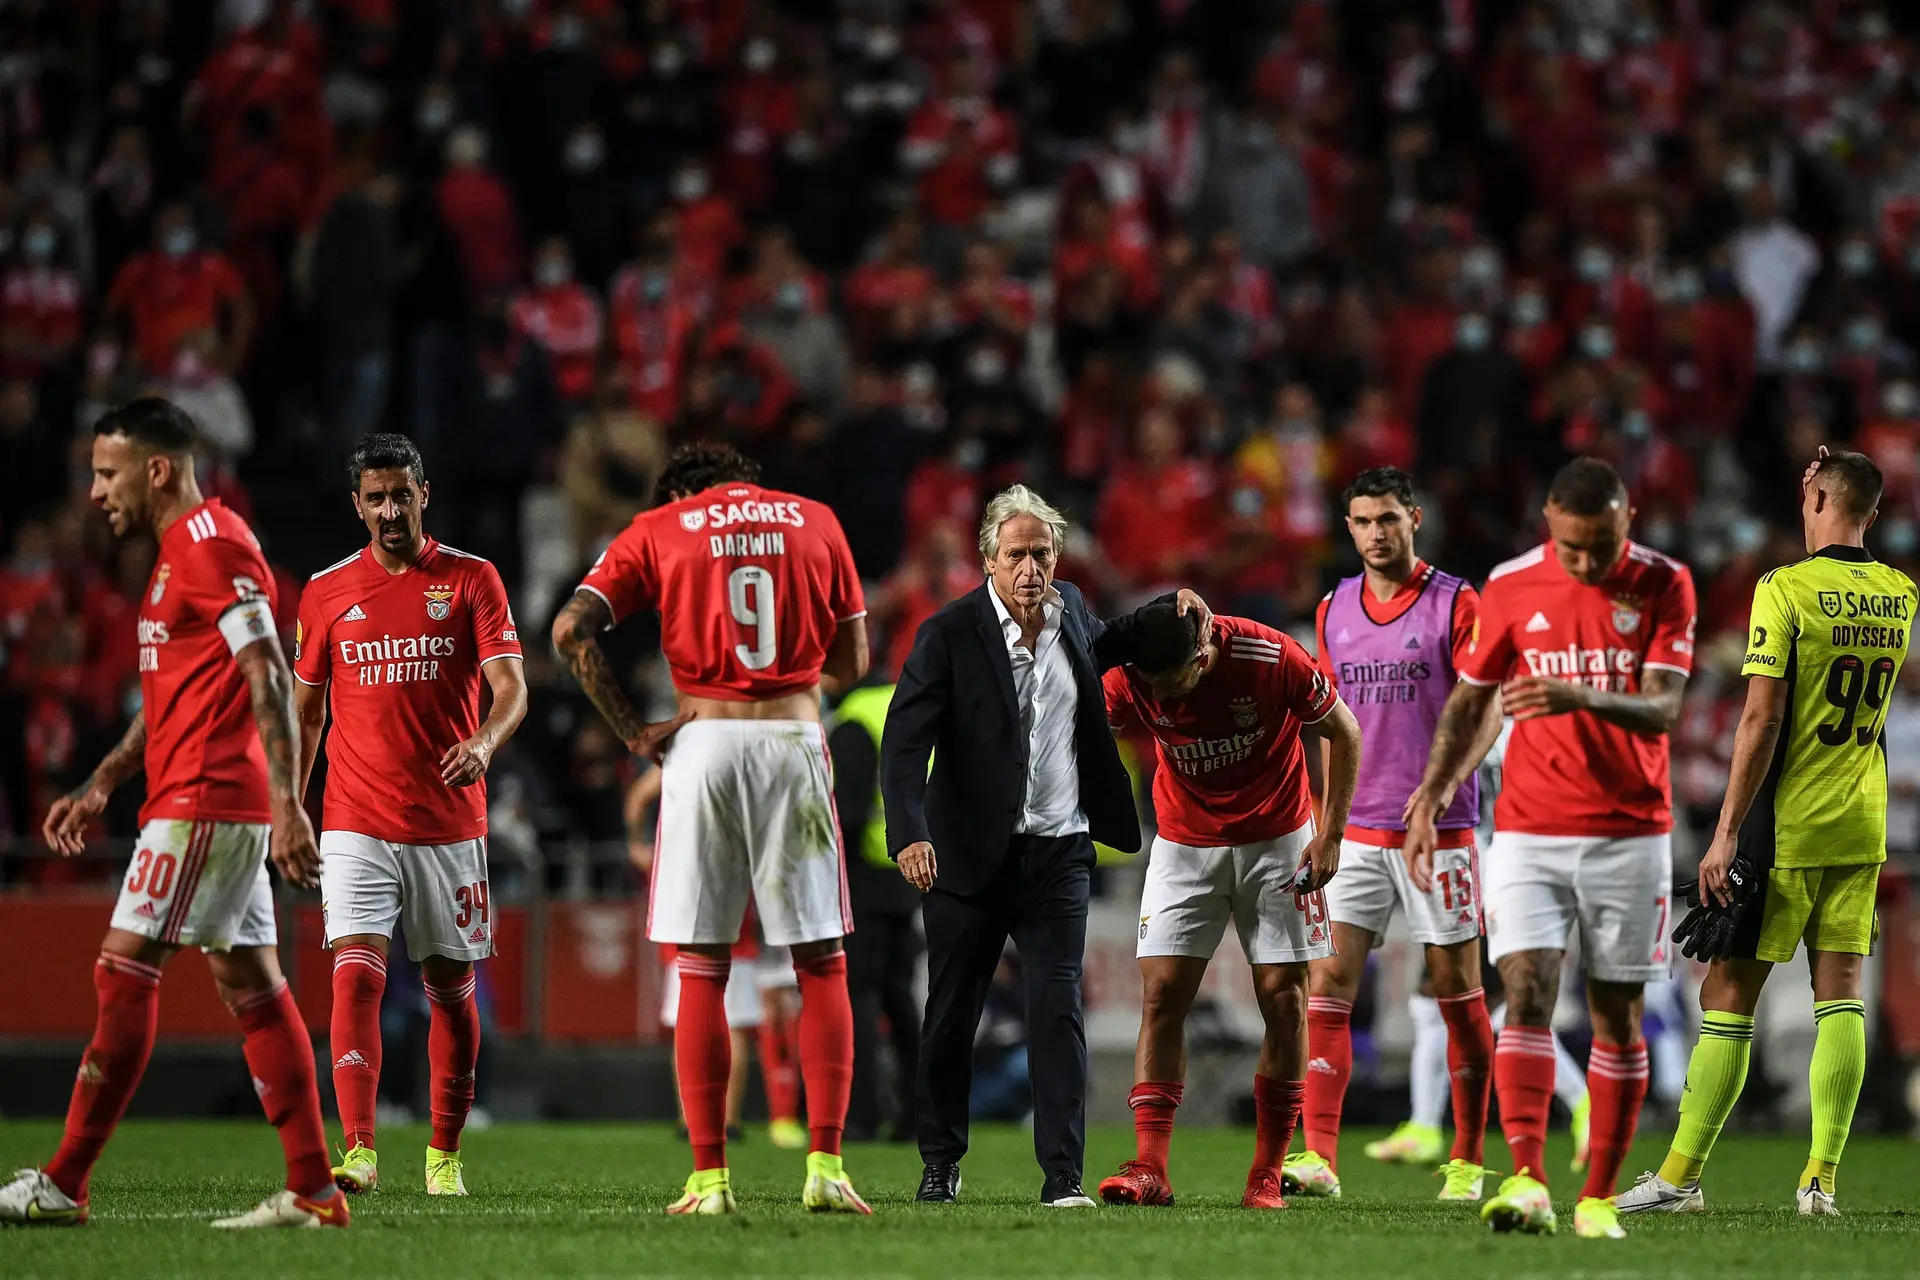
(1051, 606)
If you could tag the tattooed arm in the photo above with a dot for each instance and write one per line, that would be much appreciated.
(1460, 742)
(1654, 711)
(65, 829)
(270, 684)
(576, 636)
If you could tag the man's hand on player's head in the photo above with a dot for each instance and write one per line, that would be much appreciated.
(465, 763)
(655, 738)
(292, 846)
(1188, 600)
(1530, 697)
(65, 829)
(918, 865)
(1319, 860)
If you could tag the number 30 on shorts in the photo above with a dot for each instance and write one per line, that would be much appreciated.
(471, 901)
(152, 872)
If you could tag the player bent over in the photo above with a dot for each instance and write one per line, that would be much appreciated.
(1588, 641)
(1391, 640)
(760, 606)
(397, 639)
(1236, 840)
(217, 738)
(1805, 819)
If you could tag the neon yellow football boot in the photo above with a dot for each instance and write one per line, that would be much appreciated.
(1409, 1144)
(1522, 1205)
(828, 1189)
(1464, 1180)
(709, 1193)
(1582, 1131)
(1595, 1218)
(788, 1134)
(358, 1171)
(443, 1173)
(1308, 1174)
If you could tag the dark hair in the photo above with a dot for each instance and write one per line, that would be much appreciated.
(158, 424)
(384, 451)
(699, 466)
(1381, 482)
(1586, 487)
(1856, 482)
(1164, 639)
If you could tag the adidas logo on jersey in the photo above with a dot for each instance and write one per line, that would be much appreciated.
(1163, 722)
(478, 935)
(1413, 642)
(355, 614)
(1538, 622)
(1344, 636)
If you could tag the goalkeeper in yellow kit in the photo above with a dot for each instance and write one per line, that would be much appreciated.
(1802, 833)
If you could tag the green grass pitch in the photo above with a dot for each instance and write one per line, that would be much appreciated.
(584, 1200)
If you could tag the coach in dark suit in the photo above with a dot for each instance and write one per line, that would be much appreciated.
(1002, 689)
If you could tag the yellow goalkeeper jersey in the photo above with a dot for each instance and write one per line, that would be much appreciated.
(1835, 627)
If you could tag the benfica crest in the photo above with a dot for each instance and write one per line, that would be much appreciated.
(694, 519)
(1626, 616)
(160, 577)
(1246, 712)
(439, 601)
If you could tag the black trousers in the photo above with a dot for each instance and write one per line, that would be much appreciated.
(883, 952)
(1040, 901)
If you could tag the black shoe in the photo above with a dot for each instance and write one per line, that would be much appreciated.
(940, 1184)
(736, 1134)
(1063, 1192)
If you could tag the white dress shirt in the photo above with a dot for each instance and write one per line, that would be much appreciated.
(1047, 699)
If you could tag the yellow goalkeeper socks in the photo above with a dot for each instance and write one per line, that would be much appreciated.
(1839, 1065)
(1715, 1076)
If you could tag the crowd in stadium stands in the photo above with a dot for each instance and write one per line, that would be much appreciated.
(1183, 265)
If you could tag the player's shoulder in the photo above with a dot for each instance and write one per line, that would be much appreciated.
(1242, 640)
(452, 562)
(1655, 567)
(335, 577)
(217, 534)
(1527, 567)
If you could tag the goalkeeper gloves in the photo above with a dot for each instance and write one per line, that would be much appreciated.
(1707, 932)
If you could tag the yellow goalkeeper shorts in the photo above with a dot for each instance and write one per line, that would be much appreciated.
(1829, 908)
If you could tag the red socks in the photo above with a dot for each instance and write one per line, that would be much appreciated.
(280, 1056)
(1523, 1078)
(703, 1055)
(1276, 1108)
(453, 1048)
(779, 1067)
(1470, 1064)
(359, 978)
(110, 1070)
(1329, 1067)
(1153, 1103)
(826, 1047)
(1617, 1082)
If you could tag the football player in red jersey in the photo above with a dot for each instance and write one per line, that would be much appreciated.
(398, 638)
(217, 739)
(1236, 839)
(760, 610)
(1588, 640)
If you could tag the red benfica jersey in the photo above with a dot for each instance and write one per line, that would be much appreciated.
(750, 584)
(210, 596)
(1231, 766)
(401, 654)
(1575, 774)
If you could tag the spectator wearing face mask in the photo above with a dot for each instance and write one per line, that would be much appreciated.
(352, 276)
(709, 225)
(1473, 403)
(477, 214)
(804, 337)
(564, 318)
(40, 305)
(759, 107)
(176, 289)
(592, 205)
(1773, 263)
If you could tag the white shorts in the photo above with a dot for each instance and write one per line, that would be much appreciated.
(437, 893)
(1372, 881)
(1190, 893)
(745, 1012)
(1616, 889)
(746, 807)
(199, 884)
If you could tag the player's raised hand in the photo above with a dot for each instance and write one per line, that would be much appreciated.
(919, 866)
(654, 739)
(65, 829)
(293, 848)
(465, 762)
(1530, 697)
(1806, 477)
(1319, 861)
(1188, 600)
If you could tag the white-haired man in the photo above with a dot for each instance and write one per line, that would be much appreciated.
(1002, 690)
